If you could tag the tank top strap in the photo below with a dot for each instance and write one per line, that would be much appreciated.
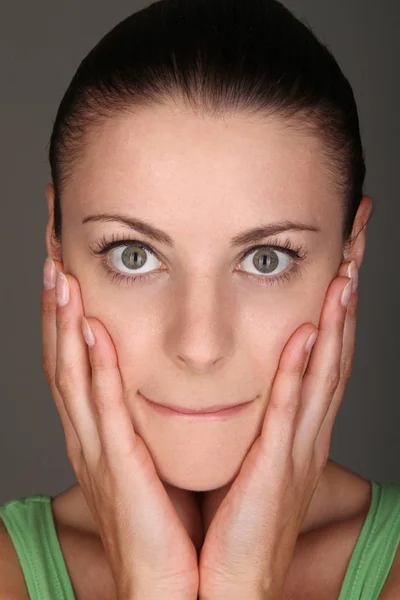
(376, 547)
(30, 524)
(31, 527)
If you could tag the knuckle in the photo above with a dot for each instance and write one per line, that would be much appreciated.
(321, 453)
(74, 457)
(324, 456)
(99, 364)
(352, 308)
(47, 306)
(47, 367)
(63, 380)
(101, 405)
(331, 380)
(347, 366)
(71, 452)
(63, 322)
(285, 407)
(339, 325)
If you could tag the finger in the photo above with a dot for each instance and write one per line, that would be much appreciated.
(322, 375)
(280, 421)
(348, 345)
(113, 419)
(49, 348)
(73, 373)
(49, 329)
(346, 366)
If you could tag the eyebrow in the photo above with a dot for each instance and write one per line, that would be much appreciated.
(246, 237)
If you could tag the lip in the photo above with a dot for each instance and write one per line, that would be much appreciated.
(215, 411)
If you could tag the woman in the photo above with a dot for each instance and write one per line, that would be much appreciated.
(206, 219)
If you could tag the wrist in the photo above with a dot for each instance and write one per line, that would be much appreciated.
(239, 592)
(155, 595)
(152, 592)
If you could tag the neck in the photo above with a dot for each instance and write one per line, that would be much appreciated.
(197, 509)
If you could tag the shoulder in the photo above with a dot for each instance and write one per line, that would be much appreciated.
(323, 552)
(82, 550)
(12, 581)
(391, 589)
(82, 556)
(322, 558)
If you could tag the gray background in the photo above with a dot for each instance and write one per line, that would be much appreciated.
(41, 45)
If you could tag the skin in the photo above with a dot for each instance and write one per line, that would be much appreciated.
(201, 332)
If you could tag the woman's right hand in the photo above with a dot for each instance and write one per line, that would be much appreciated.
(148, 548)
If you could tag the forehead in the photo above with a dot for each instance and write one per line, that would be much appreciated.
(167, 158)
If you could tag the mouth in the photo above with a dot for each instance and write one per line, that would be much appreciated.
(216, 410)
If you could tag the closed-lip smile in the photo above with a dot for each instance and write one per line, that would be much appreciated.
(216, 409)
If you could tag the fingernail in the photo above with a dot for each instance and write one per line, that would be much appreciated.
(87, 333)
(311, 341)
(49, 274)
(62, 289)
(352, 272)
(346, 294)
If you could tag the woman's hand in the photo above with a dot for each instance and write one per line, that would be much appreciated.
(250, 542)
(147, 546)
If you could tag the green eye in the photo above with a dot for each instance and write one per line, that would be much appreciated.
(131, 258)
(266, 260)
(124, 259)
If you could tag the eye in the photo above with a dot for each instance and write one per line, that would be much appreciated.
(124, 260)
(266, 260)
(133, 258)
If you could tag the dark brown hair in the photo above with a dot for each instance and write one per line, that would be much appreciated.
(220, 57)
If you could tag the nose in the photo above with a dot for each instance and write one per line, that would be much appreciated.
(198, 364)
(201, 336)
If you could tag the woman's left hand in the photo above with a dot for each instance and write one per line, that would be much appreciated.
(250, 542)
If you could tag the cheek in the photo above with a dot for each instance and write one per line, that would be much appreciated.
(269, 330)
(134, 329)
(136, 323)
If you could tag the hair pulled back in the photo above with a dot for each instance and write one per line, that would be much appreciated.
(220, 58)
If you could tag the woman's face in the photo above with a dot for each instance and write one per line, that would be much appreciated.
(208, 325)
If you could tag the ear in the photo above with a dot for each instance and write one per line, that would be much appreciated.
(359, 232)
(53, 246)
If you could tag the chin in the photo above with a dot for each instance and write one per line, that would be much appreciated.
(201, 458)
(197, 481)
(196, 455)
(196, 470)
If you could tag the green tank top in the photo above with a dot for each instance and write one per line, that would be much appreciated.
(31, 527)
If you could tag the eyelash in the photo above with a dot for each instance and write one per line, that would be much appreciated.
(104, 245)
